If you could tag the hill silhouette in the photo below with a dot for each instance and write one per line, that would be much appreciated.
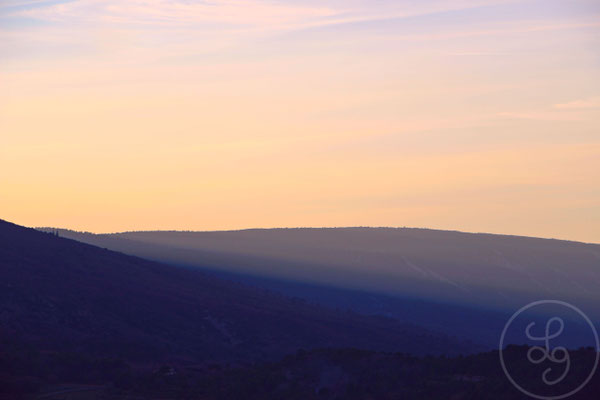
(60, 296)
(463, 284)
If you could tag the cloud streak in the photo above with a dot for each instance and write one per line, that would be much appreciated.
(257, 14)
(582, 104)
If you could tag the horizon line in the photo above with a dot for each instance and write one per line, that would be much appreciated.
(313, 228)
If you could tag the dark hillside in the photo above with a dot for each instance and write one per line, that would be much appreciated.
(62, 296)
(463, 284)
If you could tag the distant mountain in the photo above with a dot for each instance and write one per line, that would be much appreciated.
(466, 284)
(58, 294)
(80, 320)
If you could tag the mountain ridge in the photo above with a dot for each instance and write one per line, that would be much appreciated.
(479, 279)
(448, 265)
(125, 232)
(59, 292)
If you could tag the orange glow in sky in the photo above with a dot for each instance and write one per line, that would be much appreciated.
(475, 115)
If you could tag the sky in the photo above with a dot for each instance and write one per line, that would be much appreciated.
(473, 115)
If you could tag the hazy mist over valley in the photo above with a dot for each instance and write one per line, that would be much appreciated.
(477, 279)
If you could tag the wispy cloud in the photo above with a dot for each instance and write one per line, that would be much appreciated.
(261, 14)
(171, 12)
(538, 116)
(23, 3)
(592, 102)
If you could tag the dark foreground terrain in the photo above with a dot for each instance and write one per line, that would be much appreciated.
(82, 322)
(72, 312)
(318, 374)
